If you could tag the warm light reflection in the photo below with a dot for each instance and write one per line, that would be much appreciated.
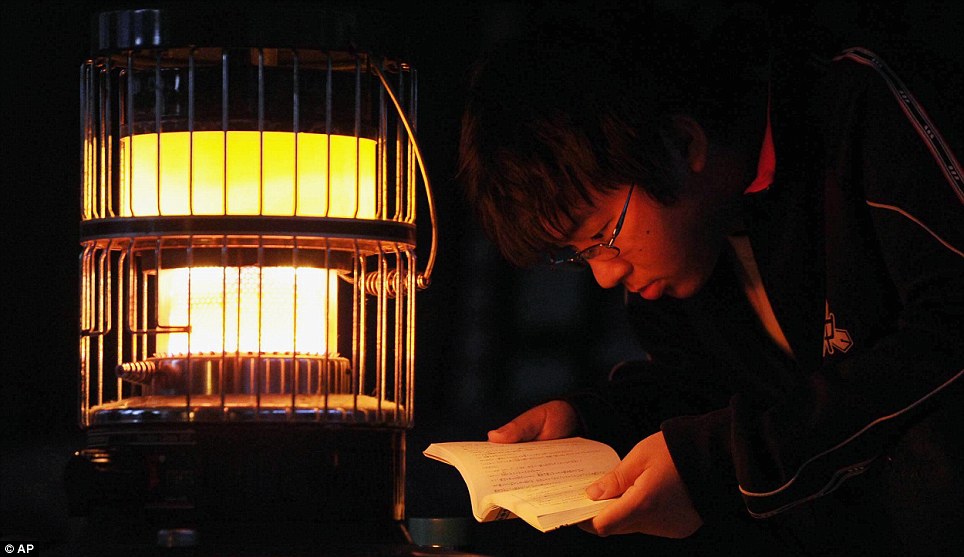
(254, 174)
(248, 309)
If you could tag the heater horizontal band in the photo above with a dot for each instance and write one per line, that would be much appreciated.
(315, 227)
(334, 408)
(330, 257)
(316, 26)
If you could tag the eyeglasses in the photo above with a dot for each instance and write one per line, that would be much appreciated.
(604, 251)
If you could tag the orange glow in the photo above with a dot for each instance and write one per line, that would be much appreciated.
(254, 174)
(248, 309)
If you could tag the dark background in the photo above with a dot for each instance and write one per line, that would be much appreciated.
(492, 340)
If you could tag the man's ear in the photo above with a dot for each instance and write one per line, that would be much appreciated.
(690, 137)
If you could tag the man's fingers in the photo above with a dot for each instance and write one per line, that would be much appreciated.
(551, 420)
(613, 484)
(652, 498)
(525, 427)
(617, 518)
(511, 432)
(620, 478)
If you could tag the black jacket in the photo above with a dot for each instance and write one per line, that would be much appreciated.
(860, 245)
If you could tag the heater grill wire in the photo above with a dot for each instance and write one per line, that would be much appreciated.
(302, 206)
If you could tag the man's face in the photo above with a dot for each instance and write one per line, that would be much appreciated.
(664, 250)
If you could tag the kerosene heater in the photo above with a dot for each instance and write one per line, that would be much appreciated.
(247, 280)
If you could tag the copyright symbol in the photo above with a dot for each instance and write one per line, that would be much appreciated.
(8, 548)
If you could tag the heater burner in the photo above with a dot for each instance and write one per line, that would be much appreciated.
(248, 281)
(242, 377)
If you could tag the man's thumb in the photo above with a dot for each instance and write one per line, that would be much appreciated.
(509, 433)
(606, 487)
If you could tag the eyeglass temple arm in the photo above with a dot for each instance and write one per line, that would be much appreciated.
(622, 217)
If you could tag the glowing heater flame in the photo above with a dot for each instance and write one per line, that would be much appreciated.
(247, 173)
(250, 310)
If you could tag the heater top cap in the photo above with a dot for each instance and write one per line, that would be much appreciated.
(327, 26)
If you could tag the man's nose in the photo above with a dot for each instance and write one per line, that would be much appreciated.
(610, 273)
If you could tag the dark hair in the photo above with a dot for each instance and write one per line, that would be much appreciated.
(563, 112)
(571, 108)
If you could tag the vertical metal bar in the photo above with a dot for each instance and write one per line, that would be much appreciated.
(224, 317)
(238, 359)
(410, 328)
(107, 314)
(266, 379)
(293, 376)
(191, 71)
(328, 129)
(136, 299)
(85, 288)
(381, 330)
(402, 194)
(158, 110)
(97, 143)
(399, 344)
(189, 364)
(126, 299)
(225, 123)
(99, 319)
(85, 138)
(89, 98)
(413, 119)
(357, 134)
(100, 210)
(381, 157)
(120, 319)
(84, 348)
(100, 145)
(357, 326)
(296, 116)
(103, 139)
(109, 144)
(104, 133)
(136, 271)
(261, 365)
(129, 107)
(329, 350)
(260, 133)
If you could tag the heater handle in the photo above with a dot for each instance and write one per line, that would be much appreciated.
(424, 279)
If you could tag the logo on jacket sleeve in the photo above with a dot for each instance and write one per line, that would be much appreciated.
(834, 338)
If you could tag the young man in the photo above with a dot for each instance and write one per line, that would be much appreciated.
(788, 231)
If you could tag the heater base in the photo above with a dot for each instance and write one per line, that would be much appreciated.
(242, 486)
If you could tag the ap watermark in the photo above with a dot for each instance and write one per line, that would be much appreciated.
(21, 548)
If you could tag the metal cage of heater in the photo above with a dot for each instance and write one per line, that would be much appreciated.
(248, 233)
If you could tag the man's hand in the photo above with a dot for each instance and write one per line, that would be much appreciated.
(551, 420)
(652, 497)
